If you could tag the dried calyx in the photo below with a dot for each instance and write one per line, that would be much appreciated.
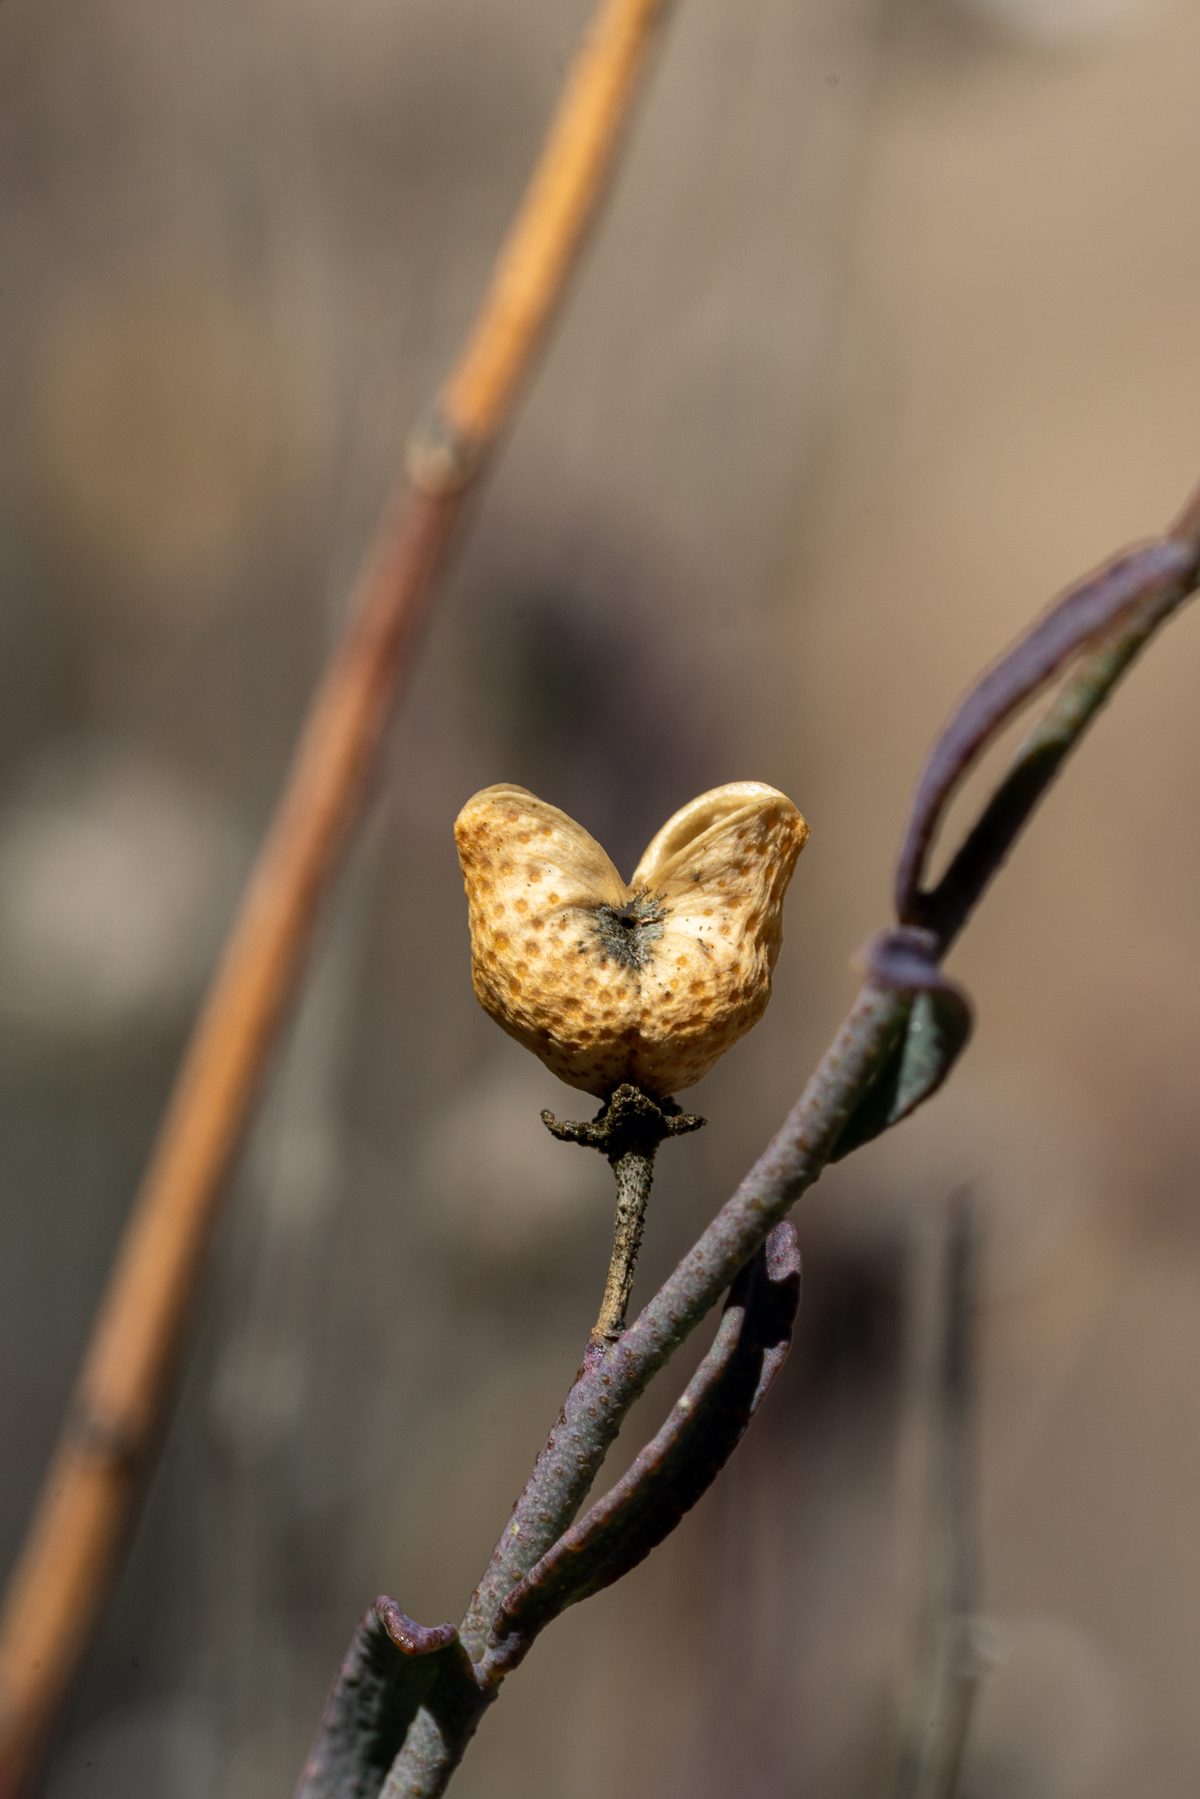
(648, 981)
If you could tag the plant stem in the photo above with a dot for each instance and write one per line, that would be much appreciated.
(1036, 765)
(435, 1745)
(627, 1129)
(634, 1172)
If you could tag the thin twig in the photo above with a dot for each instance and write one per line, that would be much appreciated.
(627, 1129)
(1090, 610)
(634, 1173)
(124, 1391)
(1110, 615)
(1083, 695)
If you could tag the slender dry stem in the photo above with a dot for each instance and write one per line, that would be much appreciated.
(627, 1129)
(124, 1390)
(634, 1173)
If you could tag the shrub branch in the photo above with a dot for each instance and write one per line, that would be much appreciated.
(902, 1034)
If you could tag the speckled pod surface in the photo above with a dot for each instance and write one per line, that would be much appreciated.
(648, 981)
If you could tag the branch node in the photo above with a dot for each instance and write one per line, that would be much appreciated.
(440, 460)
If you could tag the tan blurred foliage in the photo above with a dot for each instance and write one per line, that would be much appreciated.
(889, 333)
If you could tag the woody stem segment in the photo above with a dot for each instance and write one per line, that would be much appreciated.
(634, 1174)
(627, 1129)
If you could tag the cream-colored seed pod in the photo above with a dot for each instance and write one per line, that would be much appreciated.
(648, 981)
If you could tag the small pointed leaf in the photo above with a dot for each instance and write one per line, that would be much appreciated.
(937, 1026)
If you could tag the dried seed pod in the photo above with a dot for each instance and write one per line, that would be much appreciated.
(649, 981)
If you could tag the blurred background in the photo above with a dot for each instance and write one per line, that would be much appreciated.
(889, 333)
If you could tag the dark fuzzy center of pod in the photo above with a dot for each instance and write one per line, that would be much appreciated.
(627, 933)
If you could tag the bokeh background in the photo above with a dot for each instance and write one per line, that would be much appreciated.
(890, 331)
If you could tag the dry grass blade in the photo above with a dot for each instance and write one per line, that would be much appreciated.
(123, 1394)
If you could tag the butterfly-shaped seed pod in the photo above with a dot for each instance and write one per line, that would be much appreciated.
(648, 981)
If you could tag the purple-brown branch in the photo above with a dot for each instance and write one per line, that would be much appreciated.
(391, 1664)
(676, 1467)
(905, 1029)
(1163, 571)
